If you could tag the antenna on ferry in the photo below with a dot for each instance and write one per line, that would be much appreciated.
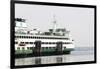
(54, 23)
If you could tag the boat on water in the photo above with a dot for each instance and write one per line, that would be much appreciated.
(34, 42)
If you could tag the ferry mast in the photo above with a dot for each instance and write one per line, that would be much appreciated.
(54, 23)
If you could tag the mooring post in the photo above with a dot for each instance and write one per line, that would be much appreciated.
(37, 48)
(59, 48)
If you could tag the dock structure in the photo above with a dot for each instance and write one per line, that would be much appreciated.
(37, 48)
(59, 46)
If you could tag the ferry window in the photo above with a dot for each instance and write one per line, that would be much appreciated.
(26, 42)
(23, 48)
(28, 48)
(68, 43)
(30, 36)
(64, 42)
(26, 36)
(53, 47)
(46, 47)
(53, 42)
(16, 42)
(64, 47)
(46, 42)
(19, 36)
(50, 42)
(59, 38)
(31, 48)
(42, 42)
(67, 38)
(31, 42)
(22, 37)
(43, 37)
(22, 42)
(50, 47)
(18, 48)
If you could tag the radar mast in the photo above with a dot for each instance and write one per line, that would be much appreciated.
(54, 23)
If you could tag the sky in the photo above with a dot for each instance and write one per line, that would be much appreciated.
(80, 21)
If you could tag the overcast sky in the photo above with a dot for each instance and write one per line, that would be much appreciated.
(80, 21)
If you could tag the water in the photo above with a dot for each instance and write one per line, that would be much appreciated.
(80, 54)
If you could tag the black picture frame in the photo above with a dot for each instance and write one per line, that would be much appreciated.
(12, 31)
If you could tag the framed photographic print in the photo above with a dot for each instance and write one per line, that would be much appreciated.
(50, 34)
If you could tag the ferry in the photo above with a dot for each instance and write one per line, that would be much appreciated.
(37, 43)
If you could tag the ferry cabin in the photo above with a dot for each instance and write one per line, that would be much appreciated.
(51, 41)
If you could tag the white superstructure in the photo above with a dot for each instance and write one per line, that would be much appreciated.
(25, 38)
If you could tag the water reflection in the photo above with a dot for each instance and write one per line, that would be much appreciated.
(53, 59)
(37, 60)
(59, 59)
(75, 56)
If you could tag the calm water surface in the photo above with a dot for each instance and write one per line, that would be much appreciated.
(78, 55)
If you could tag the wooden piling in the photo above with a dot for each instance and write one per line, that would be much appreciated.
(37, 48)
(59, 48)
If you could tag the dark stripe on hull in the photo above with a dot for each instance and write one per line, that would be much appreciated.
(30, 53)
